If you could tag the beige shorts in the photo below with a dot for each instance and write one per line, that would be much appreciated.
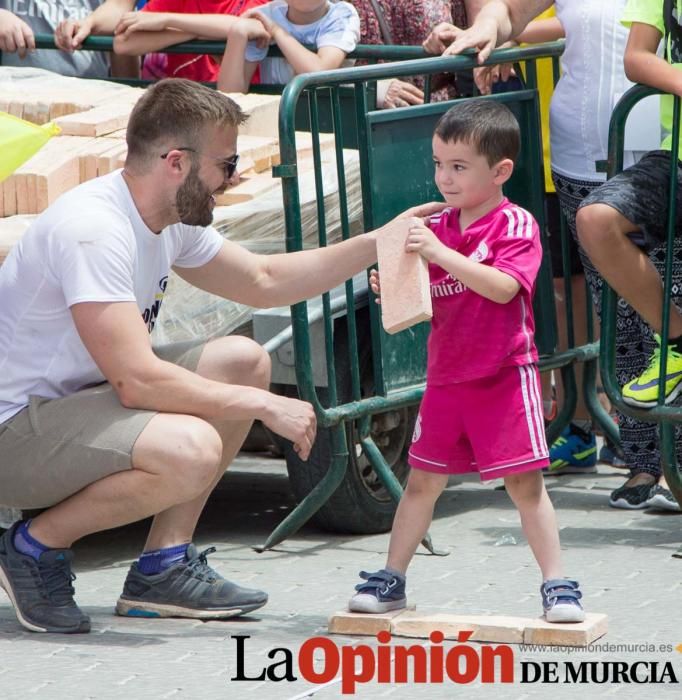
(56, 447)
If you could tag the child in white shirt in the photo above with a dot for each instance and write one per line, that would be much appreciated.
(333, 28)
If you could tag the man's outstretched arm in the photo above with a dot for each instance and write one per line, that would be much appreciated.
(265, 281)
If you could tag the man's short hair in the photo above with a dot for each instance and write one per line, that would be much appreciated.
(487, 125)
(174, 112)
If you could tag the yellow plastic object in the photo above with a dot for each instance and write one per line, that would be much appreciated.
(20, 140)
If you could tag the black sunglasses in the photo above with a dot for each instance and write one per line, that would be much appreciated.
(229, 165)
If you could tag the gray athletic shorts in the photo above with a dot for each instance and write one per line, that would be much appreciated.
(56, 447)
(640, 194)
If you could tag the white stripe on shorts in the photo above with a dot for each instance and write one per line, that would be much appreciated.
(531, 404)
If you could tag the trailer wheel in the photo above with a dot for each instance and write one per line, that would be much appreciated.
(361, 504)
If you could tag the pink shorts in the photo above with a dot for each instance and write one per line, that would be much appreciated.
(493, 426)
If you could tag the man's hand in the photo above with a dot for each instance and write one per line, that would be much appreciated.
(402, 94)
(71, 33)
(140, 22)
(15, 35)
(375, 284)
(293, 419)
(422, 240)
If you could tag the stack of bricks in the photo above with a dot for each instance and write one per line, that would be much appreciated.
(93, 116)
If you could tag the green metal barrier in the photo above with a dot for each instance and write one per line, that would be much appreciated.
(665, 416)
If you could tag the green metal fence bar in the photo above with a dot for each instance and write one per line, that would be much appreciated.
(362, 51)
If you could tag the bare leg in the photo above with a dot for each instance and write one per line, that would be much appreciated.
(177, 460)
(603, 235)
(235, 360)
(413, 517)
(538, 520)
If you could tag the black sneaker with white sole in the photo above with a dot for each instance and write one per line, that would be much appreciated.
(41, 590)
(190, 588)
(631, 497)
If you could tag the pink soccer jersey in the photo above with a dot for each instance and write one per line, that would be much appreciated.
(471, 336)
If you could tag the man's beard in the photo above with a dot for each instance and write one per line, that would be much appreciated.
(193, 201)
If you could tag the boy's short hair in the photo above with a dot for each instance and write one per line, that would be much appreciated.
(487, 125)
(177, 110)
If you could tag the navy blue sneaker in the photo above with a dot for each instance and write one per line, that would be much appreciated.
(561, 600)
(573, 452)
(382, 591)
(41, 590)
(190, 588)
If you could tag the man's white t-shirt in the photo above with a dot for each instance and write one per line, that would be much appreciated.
(91, 245)
(339, 27)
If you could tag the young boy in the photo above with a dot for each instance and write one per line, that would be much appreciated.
(636, 201)
(333, 28)
(484, 253)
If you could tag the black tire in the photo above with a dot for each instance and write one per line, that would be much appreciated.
(361, 504)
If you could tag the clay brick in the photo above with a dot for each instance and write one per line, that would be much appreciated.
(304, 143)
(249, 188)
(9, 196)
(11, 230)
(54, 170)
(112, 159)
(579, 634)
(485, 628)
(345, 622)
(405, 290)
(493, 628)
(260, 149)
(95, 122)
(88, 157)
(263, 113)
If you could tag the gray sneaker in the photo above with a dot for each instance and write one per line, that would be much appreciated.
(41, 591)
(188, 589)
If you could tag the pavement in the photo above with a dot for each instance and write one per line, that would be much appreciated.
(623, 560)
